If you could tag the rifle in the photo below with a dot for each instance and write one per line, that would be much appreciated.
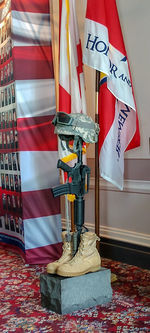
(79, 174)
(79, 185)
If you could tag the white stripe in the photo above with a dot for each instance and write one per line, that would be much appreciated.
(30, 28)
(112, 166)
(35, 98)
(76, 105)
(119, 80)
(83, 99)
(42, 231)
(69, 80)
(96, 55)
(38, 170)
(64, 77)
(101, 55)
(96, 46)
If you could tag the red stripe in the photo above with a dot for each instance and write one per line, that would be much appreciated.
(105, 12)
(79, 54)
(33, 62)
(1, 203)
(44, 255)
(96, 11)
(39, 203)
(35, 6)
(106, 115)
(36, 134)
(135, 142)
(35, 53)
(114, 28)
(64, 100)
(106, 112)
(79, 67)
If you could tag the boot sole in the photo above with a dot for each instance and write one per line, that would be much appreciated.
(55, 271)
(92, 270)
(51, 272)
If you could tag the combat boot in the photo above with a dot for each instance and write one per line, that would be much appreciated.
(87, 258)
(66, 254)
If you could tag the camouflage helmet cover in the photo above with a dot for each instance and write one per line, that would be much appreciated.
(76, 124)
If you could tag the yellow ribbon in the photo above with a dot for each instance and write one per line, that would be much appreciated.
(67, 32)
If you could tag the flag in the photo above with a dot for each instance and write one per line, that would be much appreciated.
(71, 77)
(104, 50)
(38, 150)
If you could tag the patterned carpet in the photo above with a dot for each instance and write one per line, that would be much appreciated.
(20, 309)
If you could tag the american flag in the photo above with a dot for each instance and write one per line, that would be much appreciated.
(35, 96)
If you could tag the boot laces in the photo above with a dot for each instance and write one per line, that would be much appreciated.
(66, 246)
(78, 254)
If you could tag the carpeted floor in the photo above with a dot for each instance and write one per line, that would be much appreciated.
(20, 309)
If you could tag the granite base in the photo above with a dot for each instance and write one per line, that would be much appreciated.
(68, 294)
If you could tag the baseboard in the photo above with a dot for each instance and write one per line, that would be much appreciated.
(131, 254)
(118, 234)
(124, 235)
(131, 186)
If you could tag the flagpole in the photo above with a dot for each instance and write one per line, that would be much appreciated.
(97, 217)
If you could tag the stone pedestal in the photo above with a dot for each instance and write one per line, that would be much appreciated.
(67, 294)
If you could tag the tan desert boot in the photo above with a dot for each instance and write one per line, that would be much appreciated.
(66, 255)
(87, 258)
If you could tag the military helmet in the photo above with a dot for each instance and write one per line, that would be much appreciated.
(76, 124)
